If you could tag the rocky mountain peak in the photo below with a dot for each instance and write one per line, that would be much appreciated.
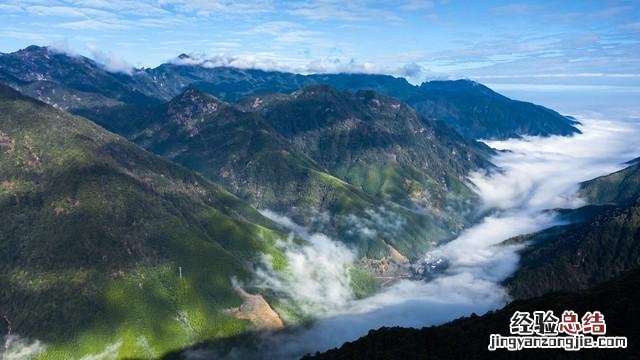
(192, 107)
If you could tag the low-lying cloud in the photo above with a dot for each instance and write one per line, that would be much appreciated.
(110, 61)
(316, 280)
(16, 348)
(412, 71)
(538, 175)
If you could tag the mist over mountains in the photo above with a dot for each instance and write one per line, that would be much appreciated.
(189, 209)
(467, 274)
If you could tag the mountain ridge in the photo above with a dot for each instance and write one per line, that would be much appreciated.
(600, 241)
(467, 111)
(255, 157)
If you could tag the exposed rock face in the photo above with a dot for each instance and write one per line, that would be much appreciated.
(256, 309)
(396, 256)
(191, 108)
(392, 267)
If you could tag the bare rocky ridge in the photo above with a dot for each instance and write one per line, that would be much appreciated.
(389, 268)
(257, 310)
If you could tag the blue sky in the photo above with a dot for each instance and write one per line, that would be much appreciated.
(577, 44)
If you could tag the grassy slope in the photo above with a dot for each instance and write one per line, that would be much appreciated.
(93, 230)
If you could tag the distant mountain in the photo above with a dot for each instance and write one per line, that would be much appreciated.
(468, 338)
(65, 81)
(470, 108)
(230, 84)
(106, 247)
(476, 111)
(602, 240)
(366, 160)
(377, 143)
(394, 178)
(81, 86)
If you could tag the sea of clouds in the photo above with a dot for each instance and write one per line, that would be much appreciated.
(537, 175)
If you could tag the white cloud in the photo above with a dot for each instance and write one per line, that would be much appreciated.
(95, 25)
(66, 11)
(412, 5)
(16, 348)
(248, 61)
(129, 7)
(62, 46)
(527, 181)
(317, 277)
(537, 174)
(284, 32)
(110, 352)
(267, 61)
(213, 7)
(109, 61)
(513, 9)
(332, 10)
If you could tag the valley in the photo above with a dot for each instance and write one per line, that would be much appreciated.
(191, 211)
(465, 276)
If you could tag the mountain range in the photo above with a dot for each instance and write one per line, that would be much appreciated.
(80, 85)
(367, 159)
(108, 246)
(137, 208)
(323, 150)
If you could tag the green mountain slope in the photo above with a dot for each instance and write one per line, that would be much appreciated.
(468, 338)
(379, 145)
(619, 188)
(242, 151)
(94, 230)
(602, 241)
(579, 255)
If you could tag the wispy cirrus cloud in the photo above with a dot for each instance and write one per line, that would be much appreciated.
(92, 24)
(284, 32)
(404, 37)
(513, 9)
(336, 10)
(64, 11)
(212, 7)
(412, 5)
